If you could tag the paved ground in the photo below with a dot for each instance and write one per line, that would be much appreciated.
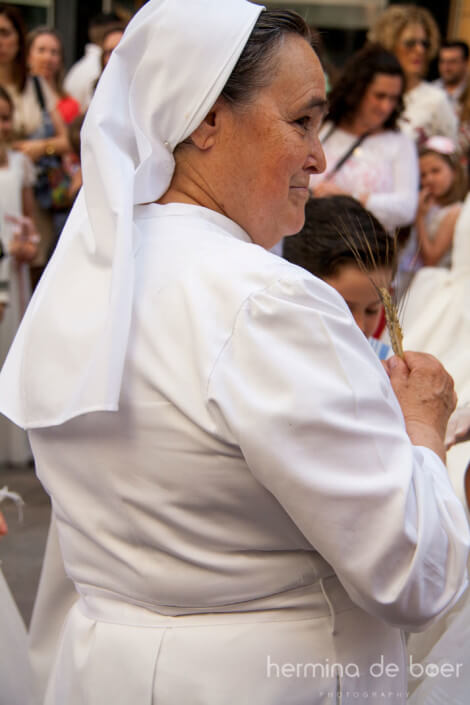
(21, 551)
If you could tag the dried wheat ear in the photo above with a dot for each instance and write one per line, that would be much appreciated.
(393, 324)
(391, 310)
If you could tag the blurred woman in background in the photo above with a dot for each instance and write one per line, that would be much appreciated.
(367, 156)
(45, 57)
(30, 133)
(412, 34)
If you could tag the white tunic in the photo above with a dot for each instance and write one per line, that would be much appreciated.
(385, 165)
(258, 451)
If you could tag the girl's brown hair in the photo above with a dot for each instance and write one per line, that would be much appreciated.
(459, 188)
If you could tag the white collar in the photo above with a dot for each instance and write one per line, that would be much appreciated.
(185, 210)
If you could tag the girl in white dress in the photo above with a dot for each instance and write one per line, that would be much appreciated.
(16, 201)
(443, 188)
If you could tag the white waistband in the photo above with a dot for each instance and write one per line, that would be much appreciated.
(311, 602)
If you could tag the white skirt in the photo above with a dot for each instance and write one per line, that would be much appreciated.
(321, 650)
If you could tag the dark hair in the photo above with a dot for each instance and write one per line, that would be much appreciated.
(338, 230)
(255, 67)
(74, 130)
(4, 95)
(457, 44)
(101, 23)
(109, 31)
(19, 71)
(359, 72)
(48, 31)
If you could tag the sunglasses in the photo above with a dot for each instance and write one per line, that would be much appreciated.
(411, 43)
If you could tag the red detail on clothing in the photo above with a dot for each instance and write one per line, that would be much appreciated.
(69, 108)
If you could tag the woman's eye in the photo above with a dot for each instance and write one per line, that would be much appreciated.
(304, 122)
(372, 311)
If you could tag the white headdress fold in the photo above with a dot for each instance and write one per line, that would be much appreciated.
(161, 81)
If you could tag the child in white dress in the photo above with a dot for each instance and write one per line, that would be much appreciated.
(18, 238)
(443, 188)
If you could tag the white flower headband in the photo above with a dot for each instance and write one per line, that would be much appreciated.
(440, 144)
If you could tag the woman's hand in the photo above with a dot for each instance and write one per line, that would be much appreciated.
(34, 149)
(425, 392)
(24, 243)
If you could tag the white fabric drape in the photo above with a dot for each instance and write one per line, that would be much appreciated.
(69, 353)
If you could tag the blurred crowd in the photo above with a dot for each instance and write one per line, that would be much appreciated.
(41, 113)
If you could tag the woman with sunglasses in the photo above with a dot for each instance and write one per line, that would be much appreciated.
(412, 34)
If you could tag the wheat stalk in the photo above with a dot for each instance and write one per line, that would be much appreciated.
(393, 324)
(391, 310)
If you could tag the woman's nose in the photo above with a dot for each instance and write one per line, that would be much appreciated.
(316, 160)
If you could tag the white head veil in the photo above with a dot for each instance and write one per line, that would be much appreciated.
(161, 81)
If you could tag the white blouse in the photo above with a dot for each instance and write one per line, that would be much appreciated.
(255, 497)
(27, 114)
(385, 165)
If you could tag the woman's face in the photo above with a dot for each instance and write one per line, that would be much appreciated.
(45, 56)
(412, 50)
(9, 42)
(5, 120)
(380, 100)
(436, 174)
(270, 147)
(358, 289)
(110, 42)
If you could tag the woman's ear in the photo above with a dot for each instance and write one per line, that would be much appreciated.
(204, 136)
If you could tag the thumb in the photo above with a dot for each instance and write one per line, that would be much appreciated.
(397, 368)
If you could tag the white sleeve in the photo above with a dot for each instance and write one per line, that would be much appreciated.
(299, 389)
(444, 120)
(398, 207)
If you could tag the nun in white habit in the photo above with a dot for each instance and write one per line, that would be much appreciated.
(250, 506)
